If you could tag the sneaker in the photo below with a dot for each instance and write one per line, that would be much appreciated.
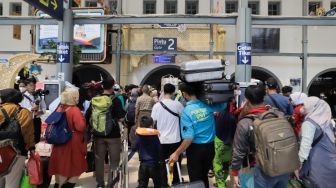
(211, 174)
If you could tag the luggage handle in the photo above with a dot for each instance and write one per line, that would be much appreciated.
(178, 170)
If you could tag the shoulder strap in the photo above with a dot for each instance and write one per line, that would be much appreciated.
(274, 101)
(27, 97)
(112, 97)
(317, 140)
(170, 111)
(4, 112)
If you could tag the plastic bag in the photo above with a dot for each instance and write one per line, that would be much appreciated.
(246, 177)
(25, 181)
(35, 171)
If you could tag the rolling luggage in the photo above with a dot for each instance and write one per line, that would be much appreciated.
(212, 92)
(196, 184)
(202, 70)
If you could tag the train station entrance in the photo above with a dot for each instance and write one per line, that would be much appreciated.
(323, 86)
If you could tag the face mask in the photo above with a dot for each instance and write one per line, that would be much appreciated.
(22, 89)
(303, 111)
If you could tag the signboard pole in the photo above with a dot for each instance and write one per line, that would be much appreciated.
(243, 52)
(304, 48)
(65, 65)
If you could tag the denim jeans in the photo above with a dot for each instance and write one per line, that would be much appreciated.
(261, 180)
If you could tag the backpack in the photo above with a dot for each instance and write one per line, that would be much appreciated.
(10, 128)
(58, 131)
(275, 142)
(102, 120)
(10, 134)
(130, 112)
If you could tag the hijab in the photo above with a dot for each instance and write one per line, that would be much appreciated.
(298, 98)
(319, 111)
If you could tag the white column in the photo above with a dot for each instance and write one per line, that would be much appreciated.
(203, 7)
(181, 6)
(5, 8)
(263, 7)
(159, 6)
(326, 4)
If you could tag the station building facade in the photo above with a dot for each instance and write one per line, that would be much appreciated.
(280, 46)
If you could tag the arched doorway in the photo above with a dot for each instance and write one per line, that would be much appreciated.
(325, 82)
(261, 74)
(16, 64)
(87, 73)
(153, 78)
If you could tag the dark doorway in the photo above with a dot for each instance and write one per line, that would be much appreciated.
(325, 83)
(87, 73)
(153, 78)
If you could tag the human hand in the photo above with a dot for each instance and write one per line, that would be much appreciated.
(236, 181)
(297, 172)
(35, 108)
(173, 158)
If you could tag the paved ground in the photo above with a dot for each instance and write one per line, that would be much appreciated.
(87, 180)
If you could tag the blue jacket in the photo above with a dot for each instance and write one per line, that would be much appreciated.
(149, 149)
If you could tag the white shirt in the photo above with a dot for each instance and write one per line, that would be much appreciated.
(26, 103)
(167, 123)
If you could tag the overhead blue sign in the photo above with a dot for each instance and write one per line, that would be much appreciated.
(164, 44)
(63, 52)
(164, 59)
(244, 53)
(52, 7)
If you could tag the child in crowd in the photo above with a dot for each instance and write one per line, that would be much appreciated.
(148, 146)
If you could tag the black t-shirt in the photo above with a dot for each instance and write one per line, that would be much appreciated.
(117, 113)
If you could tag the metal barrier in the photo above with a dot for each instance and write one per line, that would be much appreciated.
(120, 176)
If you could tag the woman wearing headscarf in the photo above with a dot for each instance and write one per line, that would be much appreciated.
(317, 147)
(67, 161)
(297, 99)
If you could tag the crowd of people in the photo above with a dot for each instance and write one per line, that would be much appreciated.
(163, 126)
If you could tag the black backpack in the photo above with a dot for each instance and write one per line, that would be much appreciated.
(11, 129)
(130, 113)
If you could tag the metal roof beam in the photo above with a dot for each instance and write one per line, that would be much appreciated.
(223, 20)
(294, 21)
(173, 19)
(35, 20)
(229, 53)
(27, 20)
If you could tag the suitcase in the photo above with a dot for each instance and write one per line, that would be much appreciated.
(202, 70)
(196, 184)
(212, 92)
(217, 86)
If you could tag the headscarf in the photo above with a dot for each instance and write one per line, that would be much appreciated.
(298, 98)
(70, 96)
(319, 111)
